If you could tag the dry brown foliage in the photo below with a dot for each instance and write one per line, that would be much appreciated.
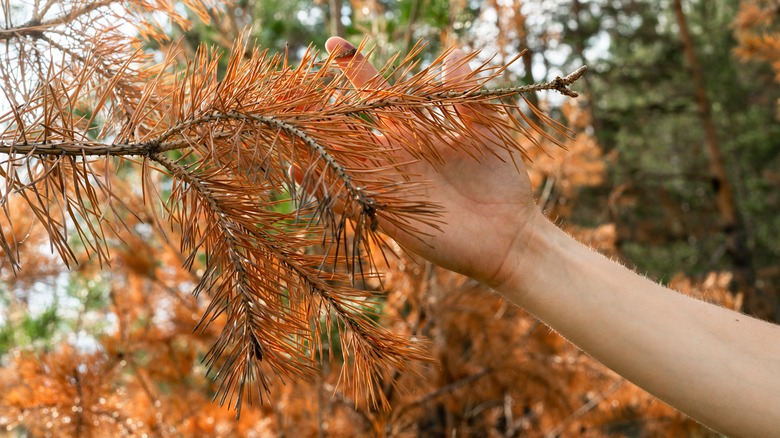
(756, 28)
(213, 153)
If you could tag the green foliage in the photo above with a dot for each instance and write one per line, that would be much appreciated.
(644, 110)
(296, 24)
(67, 313)
(31, 330)
(90, 292)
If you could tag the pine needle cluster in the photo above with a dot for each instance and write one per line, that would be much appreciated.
(757, 31)
(271, 173)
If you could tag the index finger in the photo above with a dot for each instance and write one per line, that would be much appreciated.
(460, 77)
(364, 76)
(356, 66)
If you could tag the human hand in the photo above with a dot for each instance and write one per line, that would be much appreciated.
(492, 231)
(487, 203)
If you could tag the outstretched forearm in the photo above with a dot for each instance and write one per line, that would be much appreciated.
(718, 366)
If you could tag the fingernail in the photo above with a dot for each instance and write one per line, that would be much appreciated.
(345, 50)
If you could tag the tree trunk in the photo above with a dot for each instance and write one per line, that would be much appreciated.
(528, 74)
(579, 48)
(756, 301)
(336, 24)
(414, 12)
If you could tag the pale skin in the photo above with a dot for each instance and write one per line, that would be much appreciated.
(717, 366)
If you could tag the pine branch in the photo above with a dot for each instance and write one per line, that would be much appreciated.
(260, 327)
(227, 146)
(36, 27)
(559, 84)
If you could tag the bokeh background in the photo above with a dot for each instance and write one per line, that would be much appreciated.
(673, 168)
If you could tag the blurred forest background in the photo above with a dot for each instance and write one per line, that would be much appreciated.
(673, 168)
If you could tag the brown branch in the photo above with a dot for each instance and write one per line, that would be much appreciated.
(159, 144)
(79, 148)
(93, 149)
(357, 193)
(584, 409)
(375, 344)
(311, 281)
(559, 84)
(443, 390)
(252, 351)
(35, 28)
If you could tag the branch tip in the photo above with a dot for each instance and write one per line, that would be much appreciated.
(561, 84)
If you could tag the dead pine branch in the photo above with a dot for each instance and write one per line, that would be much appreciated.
(233, 150)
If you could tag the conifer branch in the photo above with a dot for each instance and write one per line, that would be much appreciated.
(234, 140)
(291, 129)
(252, 335)
(36, 27)
(559, 84)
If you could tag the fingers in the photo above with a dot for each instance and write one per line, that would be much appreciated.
(457, 72)
(356, 66)
(459, 77)
(362, 74)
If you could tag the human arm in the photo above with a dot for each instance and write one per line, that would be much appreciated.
(718, 366)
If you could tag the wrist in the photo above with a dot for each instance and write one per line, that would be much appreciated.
(516, 276)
